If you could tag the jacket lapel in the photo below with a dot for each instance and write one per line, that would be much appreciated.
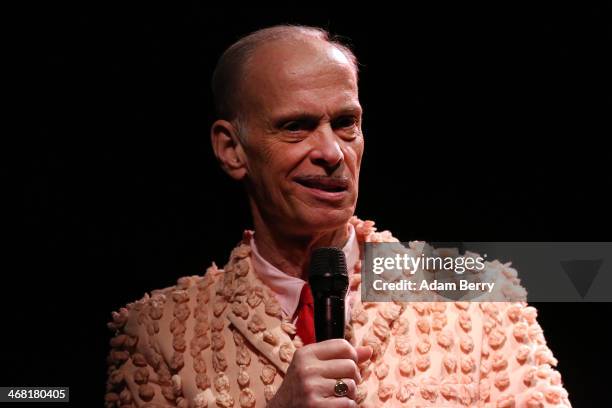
(257, 315)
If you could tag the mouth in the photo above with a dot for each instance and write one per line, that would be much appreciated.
(324, 183)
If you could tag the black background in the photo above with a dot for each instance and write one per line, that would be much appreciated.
(481, 124)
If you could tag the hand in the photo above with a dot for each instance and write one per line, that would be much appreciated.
(313, 372)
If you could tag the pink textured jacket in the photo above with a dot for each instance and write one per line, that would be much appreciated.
(221, 340)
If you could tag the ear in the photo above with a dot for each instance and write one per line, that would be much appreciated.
(228, 149)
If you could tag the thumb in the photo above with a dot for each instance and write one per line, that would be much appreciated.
(363, 354)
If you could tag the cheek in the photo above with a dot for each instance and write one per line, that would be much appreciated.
(285, 157)
(354, 153)
(276, 164)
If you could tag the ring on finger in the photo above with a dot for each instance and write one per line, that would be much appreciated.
(340, 388)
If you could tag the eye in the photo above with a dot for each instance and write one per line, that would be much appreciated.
(299, 125)
(344, 122)
(294, 126)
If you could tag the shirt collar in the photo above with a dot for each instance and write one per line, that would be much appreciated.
(288, 288)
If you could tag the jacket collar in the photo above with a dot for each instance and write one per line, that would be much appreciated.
(265, 327)
(288, 288)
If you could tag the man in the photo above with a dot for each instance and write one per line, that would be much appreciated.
(289, 128)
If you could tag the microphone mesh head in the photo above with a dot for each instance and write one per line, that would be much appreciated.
(327, 261)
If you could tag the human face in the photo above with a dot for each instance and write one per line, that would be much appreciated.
(304, 140)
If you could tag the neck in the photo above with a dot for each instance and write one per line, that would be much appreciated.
(290, 253)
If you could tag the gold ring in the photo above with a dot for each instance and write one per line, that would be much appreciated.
(340, 389)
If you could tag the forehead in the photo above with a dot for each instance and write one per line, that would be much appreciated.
(302, 74)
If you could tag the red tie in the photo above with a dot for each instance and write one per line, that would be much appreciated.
(305, 320)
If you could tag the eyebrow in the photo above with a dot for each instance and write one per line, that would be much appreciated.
(310, 117)
(295, 116)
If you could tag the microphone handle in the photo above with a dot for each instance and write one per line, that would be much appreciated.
(329, 318)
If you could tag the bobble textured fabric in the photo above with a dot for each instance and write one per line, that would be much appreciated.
(220, 340)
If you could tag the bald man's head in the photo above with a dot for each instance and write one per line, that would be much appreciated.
(232, 70)
(290, 128)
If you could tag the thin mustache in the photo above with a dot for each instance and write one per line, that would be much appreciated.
(330, 181)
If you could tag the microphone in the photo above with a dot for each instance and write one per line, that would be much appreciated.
(328, 281)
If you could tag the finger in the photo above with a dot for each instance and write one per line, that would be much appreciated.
(363, 354)
(338, 402)
(335, 349)
(329, 386)
(344, 368)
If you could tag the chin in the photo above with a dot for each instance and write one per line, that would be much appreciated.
(320, 219)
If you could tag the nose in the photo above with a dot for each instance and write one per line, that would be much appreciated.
(326, 151)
